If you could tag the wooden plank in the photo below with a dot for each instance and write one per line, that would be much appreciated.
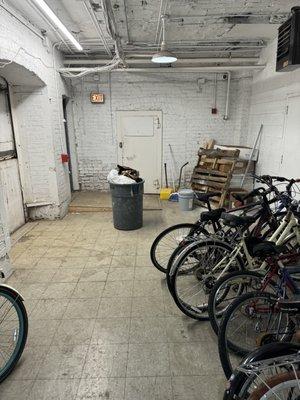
(209, 177)
(210, 171)
(218, 153)
(210, 184)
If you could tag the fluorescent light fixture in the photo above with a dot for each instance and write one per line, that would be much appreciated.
(163, 56)
(47, 10)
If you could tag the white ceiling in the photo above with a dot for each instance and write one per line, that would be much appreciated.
(196, 28)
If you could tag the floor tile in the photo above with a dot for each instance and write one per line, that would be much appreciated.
(147, 307)
(29, 364)
(39, 275)
(151, 359)
(98, 274)
(12, 391)
(123, 261)
(49, 309)
(102, 388)
(147, 288)
(148, 330)
(82, 308)
(115, 307)
(106, 361)
(59, 389)
(111, 331)
(74, 331)
(41, 331)
(121, 274)
(151, 388)
(88, 290)
(197, 388)
(63, 362)
(59, 290)
(194, 359)
(118, 289)
(67, 275)
(32, 291)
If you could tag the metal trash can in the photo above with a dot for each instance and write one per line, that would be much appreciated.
(186, 199)
(127, 205)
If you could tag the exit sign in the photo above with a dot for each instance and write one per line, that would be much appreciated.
(97, 97)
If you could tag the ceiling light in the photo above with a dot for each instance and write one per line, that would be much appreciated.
(47, 10)
(163, 56)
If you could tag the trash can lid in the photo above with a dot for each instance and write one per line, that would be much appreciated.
(186, 193)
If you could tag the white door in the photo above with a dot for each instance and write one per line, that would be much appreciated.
(290, 160)
(140, 142)
(9, 169)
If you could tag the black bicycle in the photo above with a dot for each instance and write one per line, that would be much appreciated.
(13, 329)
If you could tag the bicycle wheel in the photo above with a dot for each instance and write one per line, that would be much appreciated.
(280, 386)
(227, 289)
(267, 360)
(250, 321)
(13, 330)
(195, 272)
(169, 239)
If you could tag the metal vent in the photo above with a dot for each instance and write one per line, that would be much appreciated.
(288, 47)
(284, 38)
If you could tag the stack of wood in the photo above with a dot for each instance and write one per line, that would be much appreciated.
(213, 172)
(221, 170)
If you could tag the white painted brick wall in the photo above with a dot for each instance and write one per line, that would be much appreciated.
(187, 118)
(268, 105)
(38, 116)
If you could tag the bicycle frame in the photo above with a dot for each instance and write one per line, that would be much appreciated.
(287, 229)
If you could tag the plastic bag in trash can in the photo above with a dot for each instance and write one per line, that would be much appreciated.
(114, 177)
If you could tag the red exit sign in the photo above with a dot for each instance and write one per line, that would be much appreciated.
(97, 97)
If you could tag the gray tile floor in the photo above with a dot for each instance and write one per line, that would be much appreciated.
(102, 324)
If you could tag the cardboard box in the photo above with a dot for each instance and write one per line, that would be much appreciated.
(245, 152)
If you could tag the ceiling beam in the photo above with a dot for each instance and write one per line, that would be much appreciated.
(220, 68)
(112, 29)
(91, 13)
(179, 61)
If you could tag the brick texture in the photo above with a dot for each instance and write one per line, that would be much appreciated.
(187, 118)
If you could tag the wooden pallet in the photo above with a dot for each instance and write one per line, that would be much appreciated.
(210, 175)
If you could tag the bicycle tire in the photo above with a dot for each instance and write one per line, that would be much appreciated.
(184, 307)
(224, 344)
(158, 239)
(17, 302)
(275, 382)
(213, 319)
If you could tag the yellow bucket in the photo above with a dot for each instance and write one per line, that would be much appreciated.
(165, 193)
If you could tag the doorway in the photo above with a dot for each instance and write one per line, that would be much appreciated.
(140, 145)
(290, 166)
(9, 167)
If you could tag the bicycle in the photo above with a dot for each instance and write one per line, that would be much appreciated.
(197, 268)
(172, 240)
(257, 318)
(270, 372)
(13, 329)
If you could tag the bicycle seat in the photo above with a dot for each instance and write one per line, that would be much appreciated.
(290, 303)
(235, 221)
(205, 196)
(266, 249)
(213, 215)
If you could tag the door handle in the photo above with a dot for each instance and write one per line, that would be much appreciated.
(121, 145)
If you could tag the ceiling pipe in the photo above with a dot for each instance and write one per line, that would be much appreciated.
(91, 13)
(220, 68)
(226, 116)
(179, 61)
(22, 20)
